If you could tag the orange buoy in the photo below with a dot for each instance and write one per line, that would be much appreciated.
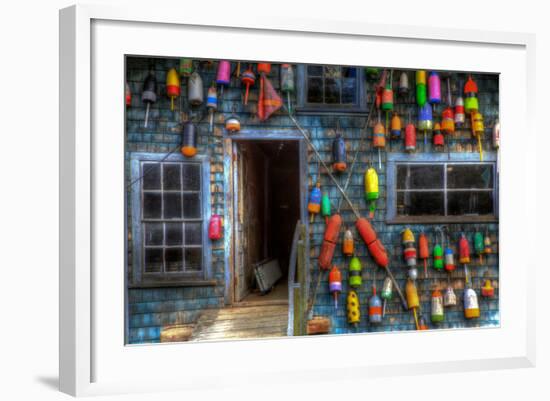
(329, 241)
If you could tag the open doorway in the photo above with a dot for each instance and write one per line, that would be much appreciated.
(267, 200)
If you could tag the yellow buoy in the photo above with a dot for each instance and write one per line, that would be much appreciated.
(354, 313)
(173, 89)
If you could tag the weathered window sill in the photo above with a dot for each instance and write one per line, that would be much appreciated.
(442, 219)
(187, 283)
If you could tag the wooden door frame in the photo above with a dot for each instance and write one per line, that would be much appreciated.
(229, 199)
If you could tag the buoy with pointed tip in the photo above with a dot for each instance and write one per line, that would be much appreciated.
(355, 278)
(314, 205)
(386, 293)
(353, 308)
(471, 305)
(487, 291)
(149, 94)
(371, 190)
(173, 88)
(438, 313)
(347, 243)
(471, 103)
(195, 91)
(189, 140)
(335, 284)
(248, 79)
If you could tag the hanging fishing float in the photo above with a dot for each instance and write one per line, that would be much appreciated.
(421, 88)
(487, 291)
(395, 127)
(386, 293)
(387, 95)
(248, 79)
(189, 140)
(353, 308)
(287, 82)
(413, 301)
(460, 117)
(471, 305)
(438, 140)
(211, 104)
(379, 139)
(215, 227)
(186, 67)
(371, 190)
(355, 279)
(422, 325)
(487, 246)
(471, 103)
(438, 313)
(173, 88)
(325, 206)
(448, 115)
(438, 250)
(314, 205)
(379, 89)
(223, 75)
(375, 306)
(425, 122)
(347, 243)
(477, 129)
(195, 91)
(232, 124)
(449, 259)
(149, 94)
(329, 241)
(409, 251)
(479, 246)
(410, 136)
(464, 255)
(403, 88)
(450, 297)
(496, 134)
(434, 88)
(335, 284)
(339, 153)
(423, 251)
(127, 95)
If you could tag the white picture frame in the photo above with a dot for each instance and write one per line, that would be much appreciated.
(93, 360)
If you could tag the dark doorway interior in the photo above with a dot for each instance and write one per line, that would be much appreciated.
(268, 201)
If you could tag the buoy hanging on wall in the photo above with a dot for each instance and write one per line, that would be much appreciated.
(211, 104)
(438, 313)
(127, 95)
(410, 137)
(339, 153)
(186, 67)
(195, 91)
(487, 291)
(460, 117)
(347, 243)
(371, 190)
(335, 284)
(434, 88)
(215, 227)
(423, 251)
(149, 94)
(223, 75)
(314, 205)
(403, 84)
(287, 82)
(386, 293)
(325, 206)
(471, 305)
(438, 140)
(496, 134)
(471, 103)
(395, 127)
(375, 306)
(355, 279)
(189, 140)
(353, 307)
(450, 297)
(248, 79)
(329, 241)
(173, 88)
(409, 251)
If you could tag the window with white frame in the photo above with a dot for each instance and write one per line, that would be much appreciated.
(168, 217)
(442, 190)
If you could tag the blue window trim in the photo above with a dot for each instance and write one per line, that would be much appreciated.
(313, 108)
(425, 158)
(137, 234)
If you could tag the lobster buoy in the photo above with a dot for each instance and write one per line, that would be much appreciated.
(471, 305)
(314, 205)
(264, 68)
(387, 97)
(438, 257)
(248, 79)
(186, 67)
(434, 88)
(355, 279)
(448, 121)
(232, 124)
(463, 250)
(347, 243)
(211, 104)
(329, 241)
(413, 301)
(379, 136)
(149, 94)
(128, 95)
(425, 121)
(450, 297)
(354, 313)
(421, 88)
(438, 313)
(460, 117)
(386, 293)
(173, 88)
(438, 139)
(422, 325)
(471, 103)
(423, 251)
(371, 190)
(487, 246)
(189, 140)
(287, 82)
(449, 260)
(195, 92)
(410, 138)
(339, 153)
(496, 134)
(375, 307)
(479, 246)
(409, 251)
(335, 284)
(374, 245)
(223, 76)
(215, 226)
(487, 290)
(403, 89)
(479, 127)
(395, 127)
(325, 206)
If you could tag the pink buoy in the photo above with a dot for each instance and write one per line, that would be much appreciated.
(434, 88)
(224, 73)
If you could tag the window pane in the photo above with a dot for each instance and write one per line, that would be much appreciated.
(191, 177)
(172, 206)
(349, 91)
(153, 234)
(468, 176)
(171, 176)
(193, 234)
(193, 259)
(315, 90)
(332, 91)
(174, 234)
(333, 72)
(151, 175)
(151, 205)
(174, 259)
(153, 260)
(191, 206)
(420, 176)
(349, 72)
(315, 70)
(420, 203)
(466, 202)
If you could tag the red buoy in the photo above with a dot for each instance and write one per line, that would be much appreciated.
(215, 227)
(374, 245)
(329, 241)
